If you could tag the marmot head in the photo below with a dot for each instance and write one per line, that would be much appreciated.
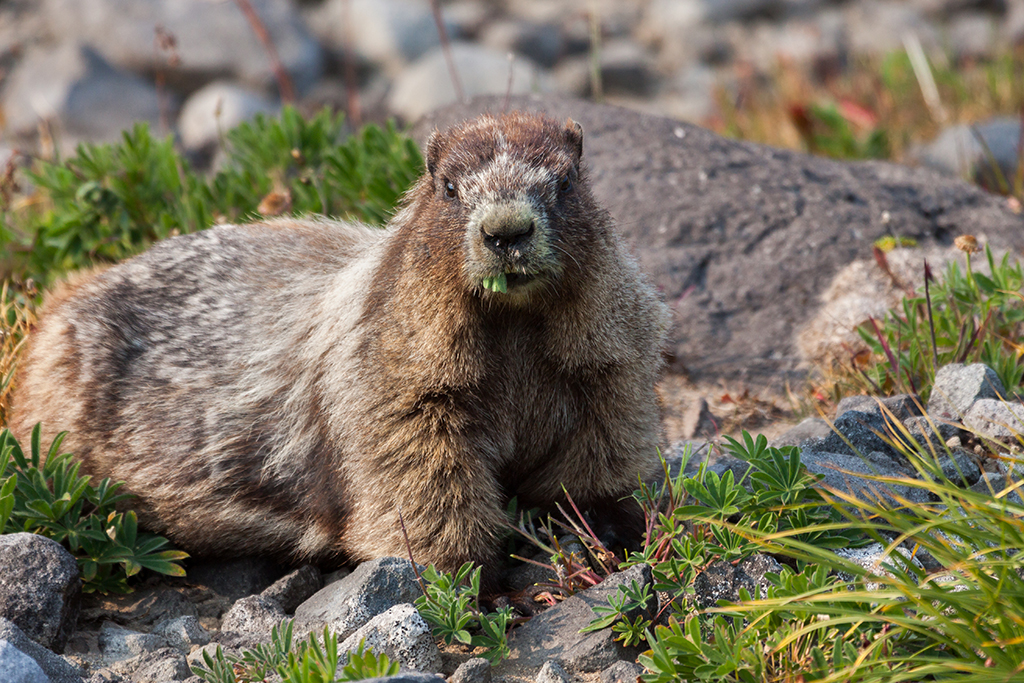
(514, 186)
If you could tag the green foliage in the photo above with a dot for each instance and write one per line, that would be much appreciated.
(314, 660)
(111, 201)
(827, 132)
(966, 317)
(44, 494)
(450, 605)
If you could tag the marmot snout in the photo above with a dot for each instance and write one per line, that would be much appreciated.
(289, 387)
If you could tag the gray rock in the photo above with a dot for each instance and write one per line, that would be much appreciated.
(542, 43)
(970, 35)
(385, 32)
(236, 579)
(993, 483)
(873, 558)
(293, 589)
(427, 85)
(957, 151)
(214, 39)
(74, 87)
(704, 214)
(627, 69)
(216, 108)
(902, 406)
(146, 607)
(161, 666)
(41, 591)
(809, 428)
(182, 633)
(403, 635)
(996, 419)
(253, 614)
(848, 473)
(552, 672)
(722, 11)
(118, 643)
(373, 588)
(555, 634)
(475, 670)
(622, 672)
(958, 386)
(875, 28)
(56, 668)
(723, 580)
(932, 435)
(18, 667)
(859, 433)
(960, 467)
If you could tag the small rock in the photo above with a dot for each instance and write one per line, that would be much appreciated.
(958, 386)
(627, 69)
(992, 483)
(872, 557)
(118, 643)
(552, 672)
(722, 580)
(403, 635)
(923, 430)
(293, 589)
(959, 467)
(722, 11)
(427, 85)
(74, 86)
(857, 432)
(809, 428)
(542, 43)
(161, 666)
(41, 591)
(236, 579)
(253, 614)
(622, 672)
(182, 633)
(215, 109)
(901, 406)
(373, 588)
(996, 419)
(844, 472)
(475, 670)
(213, 39)
(55, 667)
(18, 667)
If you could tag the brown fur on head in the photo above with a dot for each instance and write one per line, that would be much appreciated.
(294, 387)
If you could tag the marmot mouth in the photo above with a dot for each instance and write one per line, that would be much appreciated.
(519, 279)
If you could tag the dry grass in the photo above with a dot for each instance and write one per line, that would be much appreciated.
(17, 316)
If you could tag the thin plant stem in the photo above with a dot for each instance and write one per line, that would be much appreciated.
(446, 48)
(284, 81)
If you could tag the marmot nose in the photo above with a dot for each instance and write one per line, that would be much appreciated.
(500, 238)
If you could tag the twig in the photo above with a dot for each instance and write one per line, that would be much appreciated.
(408, 548)
(353, 111)
(446, 47)
(284, 81)
(596, 87)
(928, 304)
(164, 42)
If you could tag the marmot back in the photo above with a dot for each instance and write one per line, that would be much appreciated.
(289, 387)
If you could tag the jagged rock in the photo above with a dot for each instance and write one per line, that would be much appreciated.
(858, 433)
(957, 151)
(41, 590)
(182, 633)
(161, 666)
(722, 580)
(293, 589)
(253, 614)
(872, 558)
(18, 667)
(555, 634)
(809, 428)
(475, 670)
(996, 419)
(957, 387)
(142, 609)
(373, 588)
(213, 39)
(932, 435)
(56, 668)
(901, 406)
(622, 672)
(848, 473)
(959, 467)
(994, 483)
(118, 643)
(705, 214)
(401, 634)
(552, 672)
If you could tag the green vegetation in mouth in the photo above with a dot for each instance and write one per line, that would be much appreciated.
(498, 283)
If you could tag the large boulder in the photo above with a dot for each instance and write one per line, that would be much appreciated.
(743, 238)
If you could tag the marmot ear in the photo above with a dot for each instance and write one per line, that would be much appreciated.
(434, 145)
(574, 136)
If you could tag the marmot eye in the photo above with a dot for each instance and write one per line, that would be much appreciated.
(565, 184)
(449, 190)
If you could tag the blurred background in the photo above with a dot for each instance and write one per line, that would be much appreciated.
(920, 81)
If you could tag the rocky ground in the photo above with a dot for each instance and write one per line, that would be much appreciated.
(49, 631)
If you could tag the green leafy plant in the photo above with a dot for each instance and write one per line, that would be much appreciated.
(964, 317)
(44, 494)
(314, 660)
(107, 202)
(450, 604)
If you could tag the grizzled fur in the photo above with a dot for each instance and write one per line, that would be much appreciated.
(289, 387)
